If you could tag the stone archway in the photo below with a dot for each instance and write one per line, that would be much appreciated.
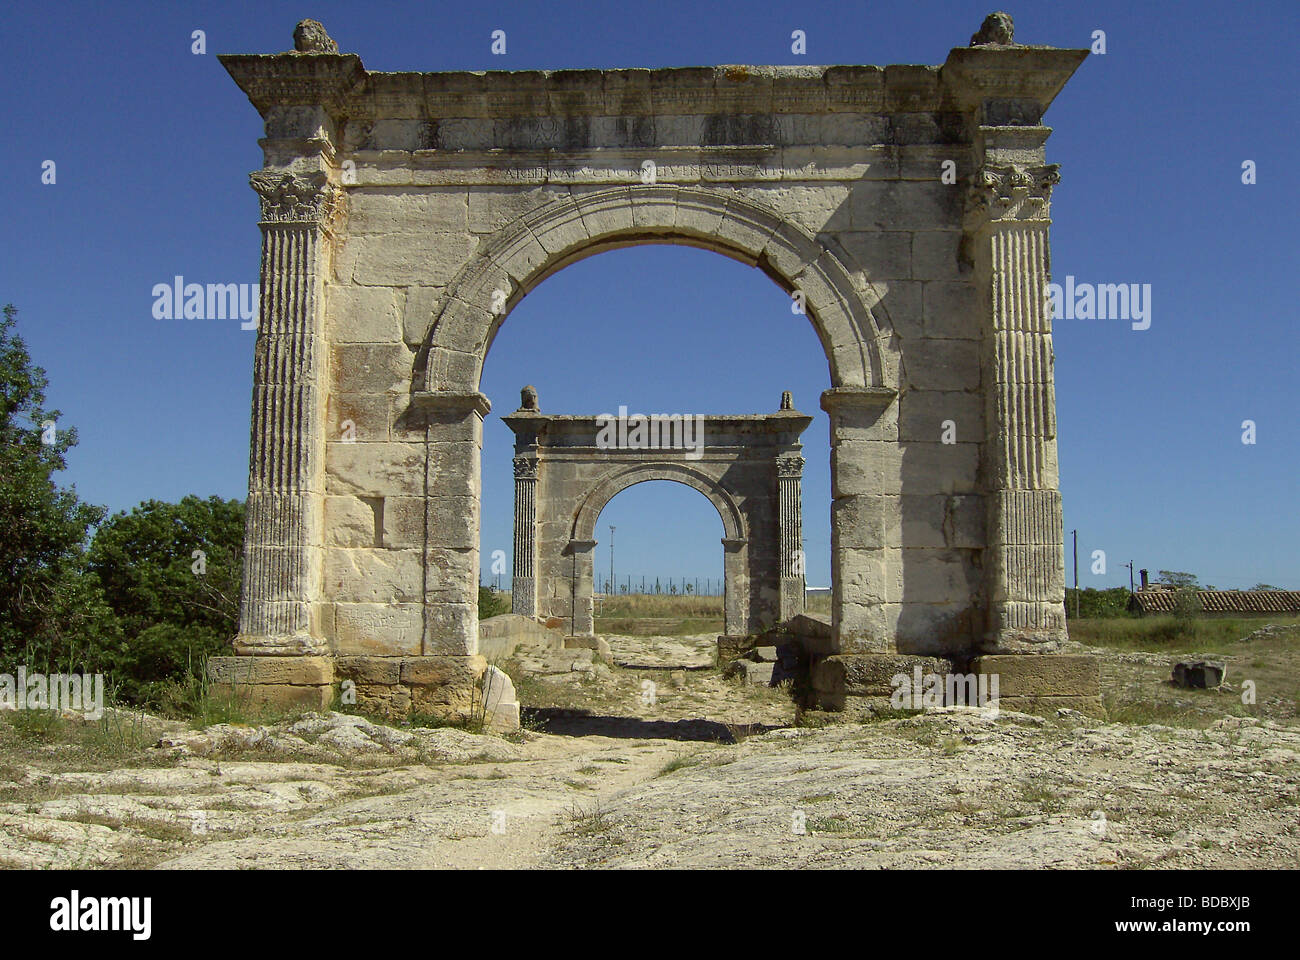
(849, 319)
(905, 208)
(566, 471)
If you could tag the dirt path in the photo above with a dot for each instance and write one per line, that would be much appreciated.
(710, 774)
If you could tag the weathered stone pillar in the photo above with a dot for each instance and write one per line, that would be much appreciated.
(1008, 232)
(282, 564)
(582, 554)
(789, 474)
(735, 586)
(282, 656)
(454, 439)
(866, 483)
(523, 582)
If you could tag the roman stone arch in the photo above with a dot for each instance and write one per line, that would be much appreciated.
(733, 523)
(858, 340)
(404, 214)
(567, 468)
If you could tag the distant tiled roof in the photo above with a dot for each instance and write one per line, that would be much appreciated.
(1222, 601)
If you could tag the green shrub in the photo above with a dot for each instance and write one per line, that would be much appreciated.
(490, 603)
(1098, 604)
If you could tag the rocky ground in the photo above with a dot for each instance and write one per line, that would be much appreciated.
(696, 771)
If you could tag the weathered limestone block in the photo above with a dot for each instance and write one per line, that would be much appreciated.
(357, 418)
(491, 208)
(1048, 706)
(820, 208)
(386, 210)
(451, 628)
(374, 469)
(372, 368)
(297, 671)
(936, 255)
(895, 204)
(363, 314)
(1043, 675)
(375, 671)
(950, 311)
(838, 677)
(447, 687)
(500, 704)
(940, 468)
(865, 468)
(926, 627)
(865, 523)
(404, 259)
(500, 636)
(374, 576)
(447, 574)
(879, 254)
(279, 696)
(943, 365)
(378, 629)
(922, 416)
(390, 701)
(349, 522)
(418, 312)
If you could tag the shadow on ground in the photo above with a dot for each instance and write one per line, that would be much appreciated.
(583, 723)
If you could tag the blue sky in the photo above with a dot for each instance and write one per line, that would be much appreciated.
(153, 145)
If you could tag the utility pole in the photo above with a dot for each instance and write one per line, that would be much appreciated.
(1130, 575)
(612, 581)
(1076, 573)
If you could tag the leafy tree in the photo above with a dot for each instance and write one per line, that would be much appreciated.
(1178, 579)
(1265, 586)
(49, 617)
(1096, 604)
(170, 572)
(1187, 607)
(490, 603)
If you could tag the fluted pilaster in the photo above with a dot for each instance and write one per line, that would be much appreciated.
(523, 587)
(285, 484)
(1010, 214)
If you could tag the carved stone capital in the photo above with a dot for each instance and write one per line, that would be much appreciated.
(293, 198)
(525, 468)
(1010, 192)
(789, 466)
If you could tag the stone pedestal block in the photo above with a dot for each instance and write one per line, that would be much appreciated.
(275, 683)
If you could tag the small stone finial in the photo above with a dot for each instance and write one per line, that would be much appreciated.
(787, 400)
(310, 37)
(996, 30)
(528, 399)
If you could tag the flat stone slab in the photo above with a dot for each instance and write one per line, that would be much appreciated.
(1043, 675)
(663, 653)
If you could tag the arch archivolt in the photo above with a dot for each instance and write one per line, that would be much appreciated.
(584, 523)
(856, 338)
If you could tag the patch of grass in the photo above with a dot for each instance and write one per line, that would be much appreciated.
(1209, 635)
(679, 762)
(1049, 801)
(816, 797)
(38, 726)
(836, 824)
(589, 822)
